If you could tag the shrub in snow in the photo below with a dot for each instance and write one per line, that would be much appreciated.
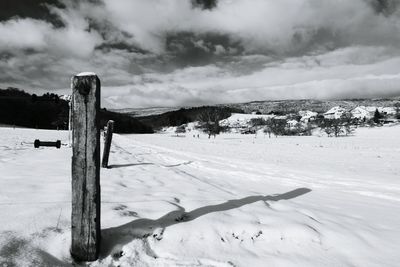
(397, 108)
(180, 129)
(377, 116)
(209, 121)
(337, 127)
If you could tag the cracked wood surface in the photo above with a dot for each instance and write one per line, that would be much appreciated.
(85, 218)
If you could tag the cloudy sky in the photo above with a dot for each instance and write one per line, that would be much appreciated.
(194, 52)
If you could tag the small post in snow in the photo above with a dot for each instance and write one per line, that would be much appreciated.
(107, 143)
(85, 217)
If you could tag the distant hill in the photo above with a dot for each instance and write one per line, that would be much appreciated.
(183, 115)
(141, 112)
(320, 106)
(50, 111)
(124, 123)
(164, 117)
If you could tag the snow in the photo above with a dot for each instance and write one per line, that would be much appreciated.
(307, 115)
(292, 123)
(361, 112)
(191, 128)
(368, 112)
(66, 97)
(335, 112)
(235, 200)
(86, 74)
(239, 120)
(387, 110)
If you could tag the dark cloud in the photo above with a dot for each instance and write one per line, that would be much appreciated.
(191, 49)
(386, 7)
(204, 51)
(205, 4)
(37, 9)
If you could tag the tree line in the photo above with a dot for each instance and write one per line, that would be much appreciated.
(49, 111)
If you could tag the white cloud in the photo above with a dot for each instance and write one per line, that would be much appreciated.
(325, 76)
(72, 40)
(260, 25)
(23, 34)
(287, 49)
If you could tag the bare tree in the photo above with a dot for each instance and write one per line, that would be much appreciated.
(258, 122)
(337, 127)
(209, 120)
(276, 126)
(267, 130)
(397, 107)
(180, 129)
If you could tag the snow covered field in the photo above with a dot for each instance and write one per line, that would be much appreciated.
(231, 201)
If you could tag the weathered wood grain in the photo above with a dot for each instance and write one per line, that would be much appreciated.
(85, 218)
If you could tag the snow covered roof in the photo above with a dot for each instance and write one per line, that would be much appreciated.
(361, 112)
(335, 110)
(66, 97)
(242, 120)
(292, 122)
(371, 109)
(307, 113)
(388, 110)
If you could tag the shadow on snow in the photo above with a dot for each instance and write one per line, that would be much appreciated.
(124, 234)
(142, 228)
(115, 166)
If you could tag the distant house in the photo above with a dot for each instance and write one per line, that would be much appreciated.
(382, 110)
(369, 111)
(280, 117)
(362, 112)
(307, 115)
(292, 123)
(335, 113)
(241, 121)
(388, 110)
(250, 130)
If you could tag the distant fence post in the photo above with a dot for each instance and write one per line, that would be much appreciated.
(107, 143)
(85, 217)
(69, 120)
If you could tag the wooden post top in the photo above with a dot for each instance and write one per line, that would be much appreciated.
(83, 81)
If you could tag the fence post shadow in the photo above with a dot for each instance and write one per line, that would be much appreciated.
(142, 228)
(116, 166)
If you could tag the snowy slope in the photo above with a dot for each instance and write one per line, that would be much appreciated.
(231, 201)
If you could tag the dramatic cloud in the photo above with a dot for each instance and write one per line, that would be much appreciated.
(328, 76)
(281, 27)
(194, 52)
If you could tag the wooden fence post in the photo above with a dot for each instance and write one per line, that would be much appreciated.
(85, 217)
(107, 143)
